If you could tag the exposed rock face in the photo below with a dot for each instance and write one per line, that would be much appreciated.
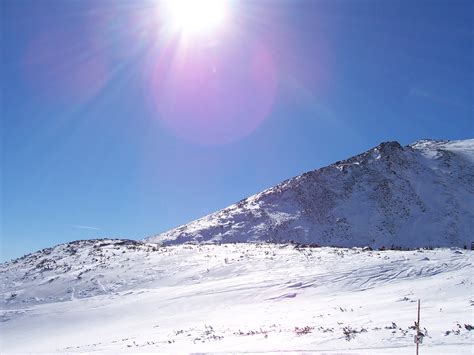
(413, 196)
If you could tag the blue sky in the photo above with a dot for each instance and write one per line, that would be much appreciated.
(115, 124)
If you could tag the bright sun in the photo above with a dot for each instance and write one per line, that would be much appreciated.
(196, 16)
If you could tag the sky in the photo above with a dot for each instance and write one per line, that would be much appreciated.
(118, 120)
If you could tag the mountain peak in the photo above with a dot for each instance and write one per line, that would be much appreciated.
(390, 145)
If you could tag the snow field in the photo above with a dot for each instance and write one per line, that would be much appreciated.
(236, 298)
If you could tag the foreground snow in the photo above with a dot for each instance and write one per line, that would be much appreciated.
(112, 296)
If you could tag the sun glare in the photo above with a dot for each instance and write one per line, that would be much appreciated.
(196, 16)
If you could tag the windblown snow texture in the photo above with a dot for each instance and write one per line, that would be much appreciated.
(414, 196)
(114, 296)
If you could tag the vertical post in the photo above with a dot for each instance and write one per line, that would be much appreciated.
(418, 329)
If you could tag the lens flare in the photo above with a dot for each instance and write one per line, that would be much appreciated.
(216, 96)
(211, 81)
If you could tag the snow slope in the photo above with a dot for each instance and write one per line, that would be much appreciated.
(121, 296)
(414, 196)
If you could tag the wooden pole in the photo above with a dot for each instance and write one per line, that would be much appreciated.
(418, 329)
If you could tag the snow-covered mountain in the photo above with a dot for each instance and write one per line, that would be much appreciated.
(413, 196)
(114, 295)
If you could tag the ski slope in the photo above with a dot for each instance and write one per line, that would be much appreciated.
(113, 296)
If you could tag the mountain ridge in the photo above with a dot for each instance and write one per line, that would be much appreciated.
(413, 196)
